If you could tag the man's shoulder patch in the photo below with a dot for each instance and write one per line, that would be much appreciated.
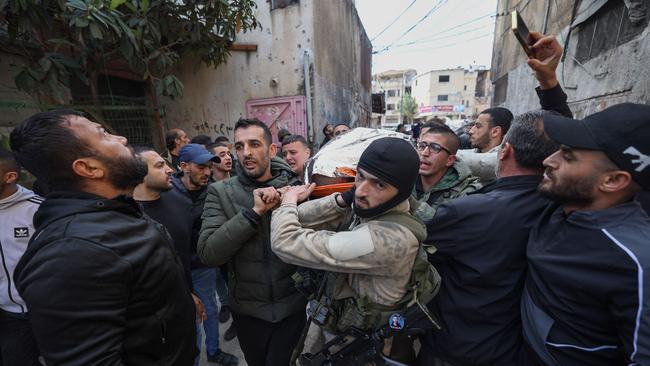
(348, 245)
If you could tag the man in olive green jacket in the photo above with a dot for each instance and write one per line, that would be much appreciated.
(268, 311)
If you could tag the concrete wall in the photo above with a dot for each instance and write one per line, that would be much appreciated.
(617, 75)
(342, 59)
(328, 32)
(422, 90)
(214, 99)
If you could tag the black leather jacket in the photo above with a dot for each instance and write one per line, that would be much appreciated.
(104, 286)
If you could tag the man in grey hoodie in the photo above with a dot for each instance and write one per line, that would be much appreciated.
(17, 207)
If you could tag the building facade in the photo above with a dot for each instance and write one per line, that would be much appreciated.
(605, 62)
(394, 84)
(453, 93)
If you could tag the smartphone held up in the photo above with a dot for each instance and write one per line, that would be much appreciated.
(521, 32)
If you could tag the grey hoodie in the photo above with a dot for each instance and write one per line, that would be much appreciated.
(16, 214)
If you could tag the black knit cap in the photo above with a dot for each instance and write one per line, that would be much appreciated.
(394, 161)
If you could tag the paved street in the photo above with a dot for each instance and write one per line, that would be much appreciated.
(231, 346)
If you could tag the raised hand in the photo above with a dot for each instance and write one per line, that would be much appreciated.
(547, 53)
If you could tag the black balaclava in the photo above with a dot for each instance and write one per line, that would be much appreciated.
(394, 161)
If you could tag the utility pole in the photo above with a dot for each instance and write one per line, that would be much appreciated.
(401, 103)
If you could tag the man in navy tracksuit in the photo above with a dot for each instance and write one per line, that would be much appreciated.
(587, 295)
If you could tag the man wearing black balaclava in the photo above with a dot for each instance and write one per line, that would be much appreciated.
(356, 233)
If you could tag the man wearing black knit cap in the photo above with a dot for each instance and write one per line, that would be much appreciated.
(377, 253)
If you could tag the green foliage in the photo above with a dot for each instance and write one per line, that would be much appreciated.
(410, 108)
(60, 38)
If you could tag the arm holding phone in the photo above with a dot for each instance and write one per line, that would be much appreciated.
(545, 56)
(546, 53)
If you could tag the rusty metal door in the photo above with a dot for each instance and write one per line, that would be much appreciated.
(278, 113)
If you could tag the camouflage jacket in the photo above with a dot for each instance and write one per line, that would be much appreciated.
(378, 256)
(457, 182)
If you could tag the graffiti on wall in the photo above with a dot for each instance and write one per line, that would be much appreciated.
(219, 128)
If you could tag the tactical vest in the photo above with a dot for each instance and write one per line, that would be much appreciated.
(340, 307)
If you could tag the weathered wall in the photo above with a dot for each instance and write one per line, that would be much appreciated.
(214, 99)
(14, 104)
(342, 62)
(613, 76)
(421, 90)
(338, 49)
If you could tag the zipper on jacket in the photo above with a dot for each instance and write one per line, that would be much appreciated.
(163, 331)
(266, 237)
(4, 266)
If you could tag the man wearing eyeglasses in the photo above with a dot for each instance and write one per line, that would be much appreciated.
(481, 239)
(442, 177)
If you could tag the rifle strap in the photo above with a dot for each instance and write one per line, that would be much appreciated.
(303, 335)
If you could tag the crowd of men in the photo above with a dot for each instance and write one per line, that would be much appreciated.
(544, 261)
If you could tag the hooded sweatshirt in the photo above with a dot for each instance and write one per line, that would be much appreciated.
(16, 214)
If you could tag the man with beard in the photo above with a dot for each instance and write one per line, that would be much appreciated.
(174, 140)
(480, 240)
(296, 152)
(157, 205)
(268, 311)
(492, 124)
(191, 186)
(480, 243)
(101, 279)
(587, 295)
(442, 177)
(366, 236)
(489, 128)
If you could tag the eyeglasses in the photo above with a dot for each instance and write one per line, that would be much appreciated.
(433, 147)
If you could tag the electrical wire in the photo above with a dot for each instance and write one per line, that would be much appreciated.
(439, 38)
(395, 20)
(489, 15)
(437, 6)
(445, 45)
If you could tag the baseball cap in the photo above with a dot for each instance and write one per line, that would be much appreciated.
(196, 153)
(622, 132)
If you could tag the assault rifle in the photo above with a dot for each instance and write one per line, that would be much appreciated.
(358, 347)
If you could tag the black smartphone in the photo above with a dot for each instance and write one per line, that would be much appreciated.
(521, 32)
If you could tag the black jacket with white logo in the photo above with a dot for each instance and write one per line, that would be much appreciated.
(587, 297)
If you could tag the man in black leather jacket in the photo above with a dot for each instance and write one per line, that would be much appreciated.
(101, 279)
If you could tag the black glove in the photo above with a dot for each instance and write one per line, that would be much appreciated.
(348, 196)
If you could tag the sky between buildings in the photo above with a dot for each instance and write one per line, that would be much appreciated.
(444, 34)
